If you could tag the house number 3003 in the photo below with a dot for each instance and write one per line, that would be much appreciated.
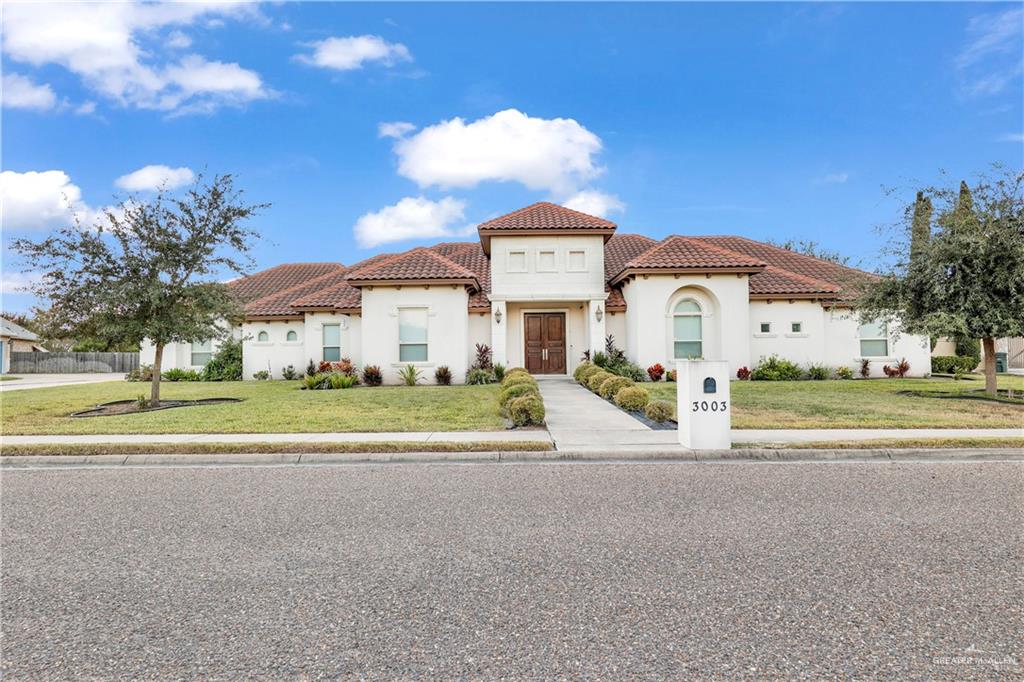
(709, 405)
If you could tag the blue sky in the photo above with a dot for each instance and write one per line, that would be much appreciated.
(766, 120)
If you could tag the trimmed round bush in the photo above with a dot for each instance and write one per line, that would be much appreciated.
(659, 410)
(586, 372)
(613, 385)
(582, 368)
(516, 370)
(510, 393)
(526, 410)
(632, 398)
(598, 378)
(517, 379)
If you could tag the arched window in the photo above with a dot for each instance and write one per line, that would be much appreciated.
(687, 332)
(292, 336)
(263, 337)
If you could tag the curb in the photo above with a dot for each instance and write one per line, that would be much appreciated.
(694, 456)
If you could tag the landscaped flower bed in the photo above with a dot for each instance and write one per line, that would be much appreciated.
(624, 392)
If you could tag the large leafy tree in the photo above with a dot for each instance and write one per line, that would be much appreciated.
(148, 270)
(964, 273)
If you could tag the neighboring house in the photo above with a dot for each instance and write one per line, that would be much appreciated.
(15, 338)
(544, 284)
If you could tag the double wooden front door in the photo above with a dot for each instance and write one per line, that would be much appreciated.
(545, 343)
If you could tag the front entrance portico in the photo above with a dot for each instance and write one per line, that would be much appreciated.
(545, 337)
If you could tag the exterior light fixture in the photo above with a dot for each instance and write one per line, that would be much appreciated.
(599, 314)
(497, 315)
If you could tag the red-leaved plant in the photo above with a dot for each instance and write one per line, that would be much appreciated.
(655, 371)
(743, 373)
(899, 371)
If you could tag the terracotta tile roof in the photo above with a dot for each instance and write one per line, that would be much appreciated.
(280, 304)
(279, 278)
(342, 295)
(615, 303)
(546, 216)
(418, 264)
(471, 256)
(791, 268)
(687, 253)
(621, 249)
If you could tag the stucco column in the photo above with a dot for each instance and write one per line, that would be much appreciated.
(499, 332)
(596, 326)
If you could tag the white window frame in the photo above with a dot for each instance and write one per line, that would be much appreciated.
(324, 346)
(568, 261)
(699, 314)
(508, 260)
(796, 327)
(762, 325)
(289, 334)
(426, 333)
(263, 336)
(885, 338)
(554, 260)
(208, 343)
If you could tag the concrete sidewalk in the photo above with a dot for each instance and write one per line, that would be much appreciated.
(30, 381)
(595, 439)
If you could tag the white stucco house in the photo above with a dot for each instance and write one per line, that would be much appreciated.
(545, 283)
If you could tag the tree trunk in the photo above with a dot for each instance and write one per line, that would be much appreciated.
(154, 393)
(989, 346)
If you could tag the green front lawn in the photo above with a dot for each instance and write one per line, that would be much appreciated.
(857, 404)
(7, 377)
(268, 407)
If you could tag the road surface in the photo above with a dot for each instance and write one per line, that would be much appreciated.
(657, 570)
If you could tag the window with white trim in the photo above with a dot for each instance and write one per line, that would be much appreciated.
(332, 342)
(202, 352)
(874, 340)
(516, 261)
(766, 327)
(412, 334)
(687, 330)
(263, 337)
(546, 261)
(796, 327)
(577, 261)
(292, 335)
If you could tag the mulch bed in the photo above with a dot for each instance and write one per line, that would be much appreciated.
(132, 406)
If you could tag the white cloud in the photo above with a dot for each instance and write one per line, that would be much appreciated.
(13, 283)
(20, 92)
(39, 200)
(397, 129)
(833, 179)
(116, 50)
(86, 108)
(1012, 137)
(594, 202)
(178, 40)
(991, 58)
(353, 52)
(155, 176)
(410, 218)
(550, 154)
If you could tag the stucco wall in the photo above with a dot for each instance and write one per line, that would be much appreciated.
(479, 330)
(802, 347)
(313, 338)
(615, 324)
(447, 329)
(176, 355)
(842, 346)
(277, 352)
(536, 284)
(724, 303)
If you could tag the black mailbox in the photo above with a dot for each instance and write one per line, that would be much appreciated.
(710, 386)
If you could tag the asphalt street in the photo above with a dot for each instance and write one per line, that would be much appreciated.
(522, 571)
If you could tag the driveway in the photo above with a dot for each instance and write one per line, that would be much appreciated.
(29, 381)
(542, 571)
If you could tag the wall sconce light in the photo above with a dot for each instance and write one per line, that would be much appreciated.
(599, 314)
(497, 315)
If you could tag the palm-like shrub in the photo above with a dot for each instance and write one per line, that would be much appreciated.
(443, 376)
(372, 375)
(613, 385)
(409, 375)
(633, 398)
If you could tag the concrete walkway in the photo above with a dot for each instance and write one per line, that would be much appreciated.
(579, 420)
(29, 381)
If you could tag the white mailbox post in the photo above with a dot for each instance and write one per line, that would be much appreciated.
(704, 408)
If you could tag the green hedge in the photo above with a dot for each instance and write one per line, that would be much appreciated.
(948, 364)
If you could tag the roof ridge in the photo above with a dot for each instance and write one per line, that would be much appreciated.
(787, 251)
(722, 249)
(828, 286)
(444, 260)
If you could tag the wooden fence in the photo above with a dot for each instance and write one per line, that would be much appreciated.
(72, 363)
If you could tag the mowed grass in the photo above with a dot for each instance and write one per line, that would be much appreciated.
(267, 407)
(864, 404)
